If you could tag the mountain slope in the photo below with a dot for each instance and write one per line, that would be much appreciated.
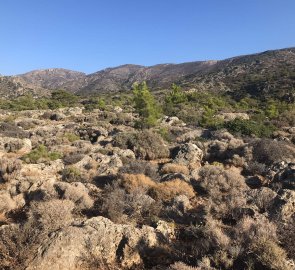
(267, 74)
(53, 78)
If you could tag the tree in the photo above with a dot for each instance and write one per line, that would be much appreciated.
(176, 96)
(145, 105)
(61, 98)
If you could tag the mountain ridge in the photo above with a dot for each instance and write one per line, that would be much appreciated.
(272, 69)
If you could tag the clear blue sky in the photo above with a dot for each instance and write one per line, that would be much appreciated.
(89, 35)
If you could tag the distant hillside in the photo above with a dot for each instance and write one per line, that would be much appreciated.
(267, 74)
(53, 78)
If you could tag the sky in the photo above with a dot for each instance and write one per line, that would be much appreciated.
(91, 35)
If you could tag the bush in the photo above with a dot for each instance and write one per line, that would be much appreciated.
(174, 168)
(94, 103)
(9, 169)
(132, 207)
(160, 191)
(140, 167)
(168, 190)
(248, 127)
(51, 215)
(71, 137)
(268, 151)
(71, 174)
(41, 154)
(145, 144)
(61, 98)
(225, 190)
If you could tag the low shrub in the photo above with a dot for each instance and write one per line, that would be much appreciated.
(71, 137)
(145, 144)
(128, 207)
(174, 168)
(268, 151)
(168, 190)
(41, 154)
(249, 127)
(71, 174)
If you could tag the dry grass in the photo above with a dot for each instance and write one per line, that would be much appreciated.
(174, 168)
(132, 182)
(164, 191)
(170, 189)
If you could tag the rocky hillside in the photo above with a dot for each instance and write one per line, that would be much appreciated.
(267, 74)
(53, 78)
(87, 190)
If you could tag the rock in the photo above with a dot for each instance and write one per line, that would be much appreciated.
(232, 116)
(8, 203)
(57, 117)
(182, 203)
(284, 205)
(188, 154)
(285, 178)
(256, 181)
(96, 238)
(172, 121)
(117, 109)
(166, 229)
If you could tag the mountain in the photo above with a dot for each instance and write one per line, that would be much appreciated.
(267, 74)
(53, 78)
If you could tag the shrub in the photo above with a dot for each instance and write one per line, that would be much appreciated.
(174, 168)
(9, 169)
(71, 174)
(132, 207)
(94, 103)
(249, 127)
(145, 144)
(225, 190)
(140, 167)
(51, 215)
(268, 151)
(145, 105)
(61, 98)
(137, 181)
(209, 120)
(71, 137)
(168, 190)
(41, 153)
(270, 254)
(161, 191)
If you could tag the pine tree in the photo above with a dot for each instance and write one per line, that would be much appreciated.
(145, 105)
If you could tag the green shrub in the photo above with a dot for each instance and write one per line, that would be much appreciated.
(94, 103)
(71, 174)
(249, 127)
(41, 153)
(61, 98)
(71, 137)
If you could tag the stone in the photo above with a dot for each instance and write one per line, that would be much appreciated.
(188, 154)
(96, 238)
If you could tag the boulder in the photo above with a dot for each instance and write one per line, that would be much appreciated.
(97, 239)
(188, 154)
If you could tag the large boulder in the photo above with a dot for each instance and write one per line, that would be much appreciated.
(188, 154)
(285, 178)
(99, 239)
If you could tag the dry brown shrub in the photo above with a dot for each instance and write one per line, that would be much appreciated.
(174, 168)
(132, 182)
(270, 254)
(170, 189)
(9, 169)
(165, 190)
